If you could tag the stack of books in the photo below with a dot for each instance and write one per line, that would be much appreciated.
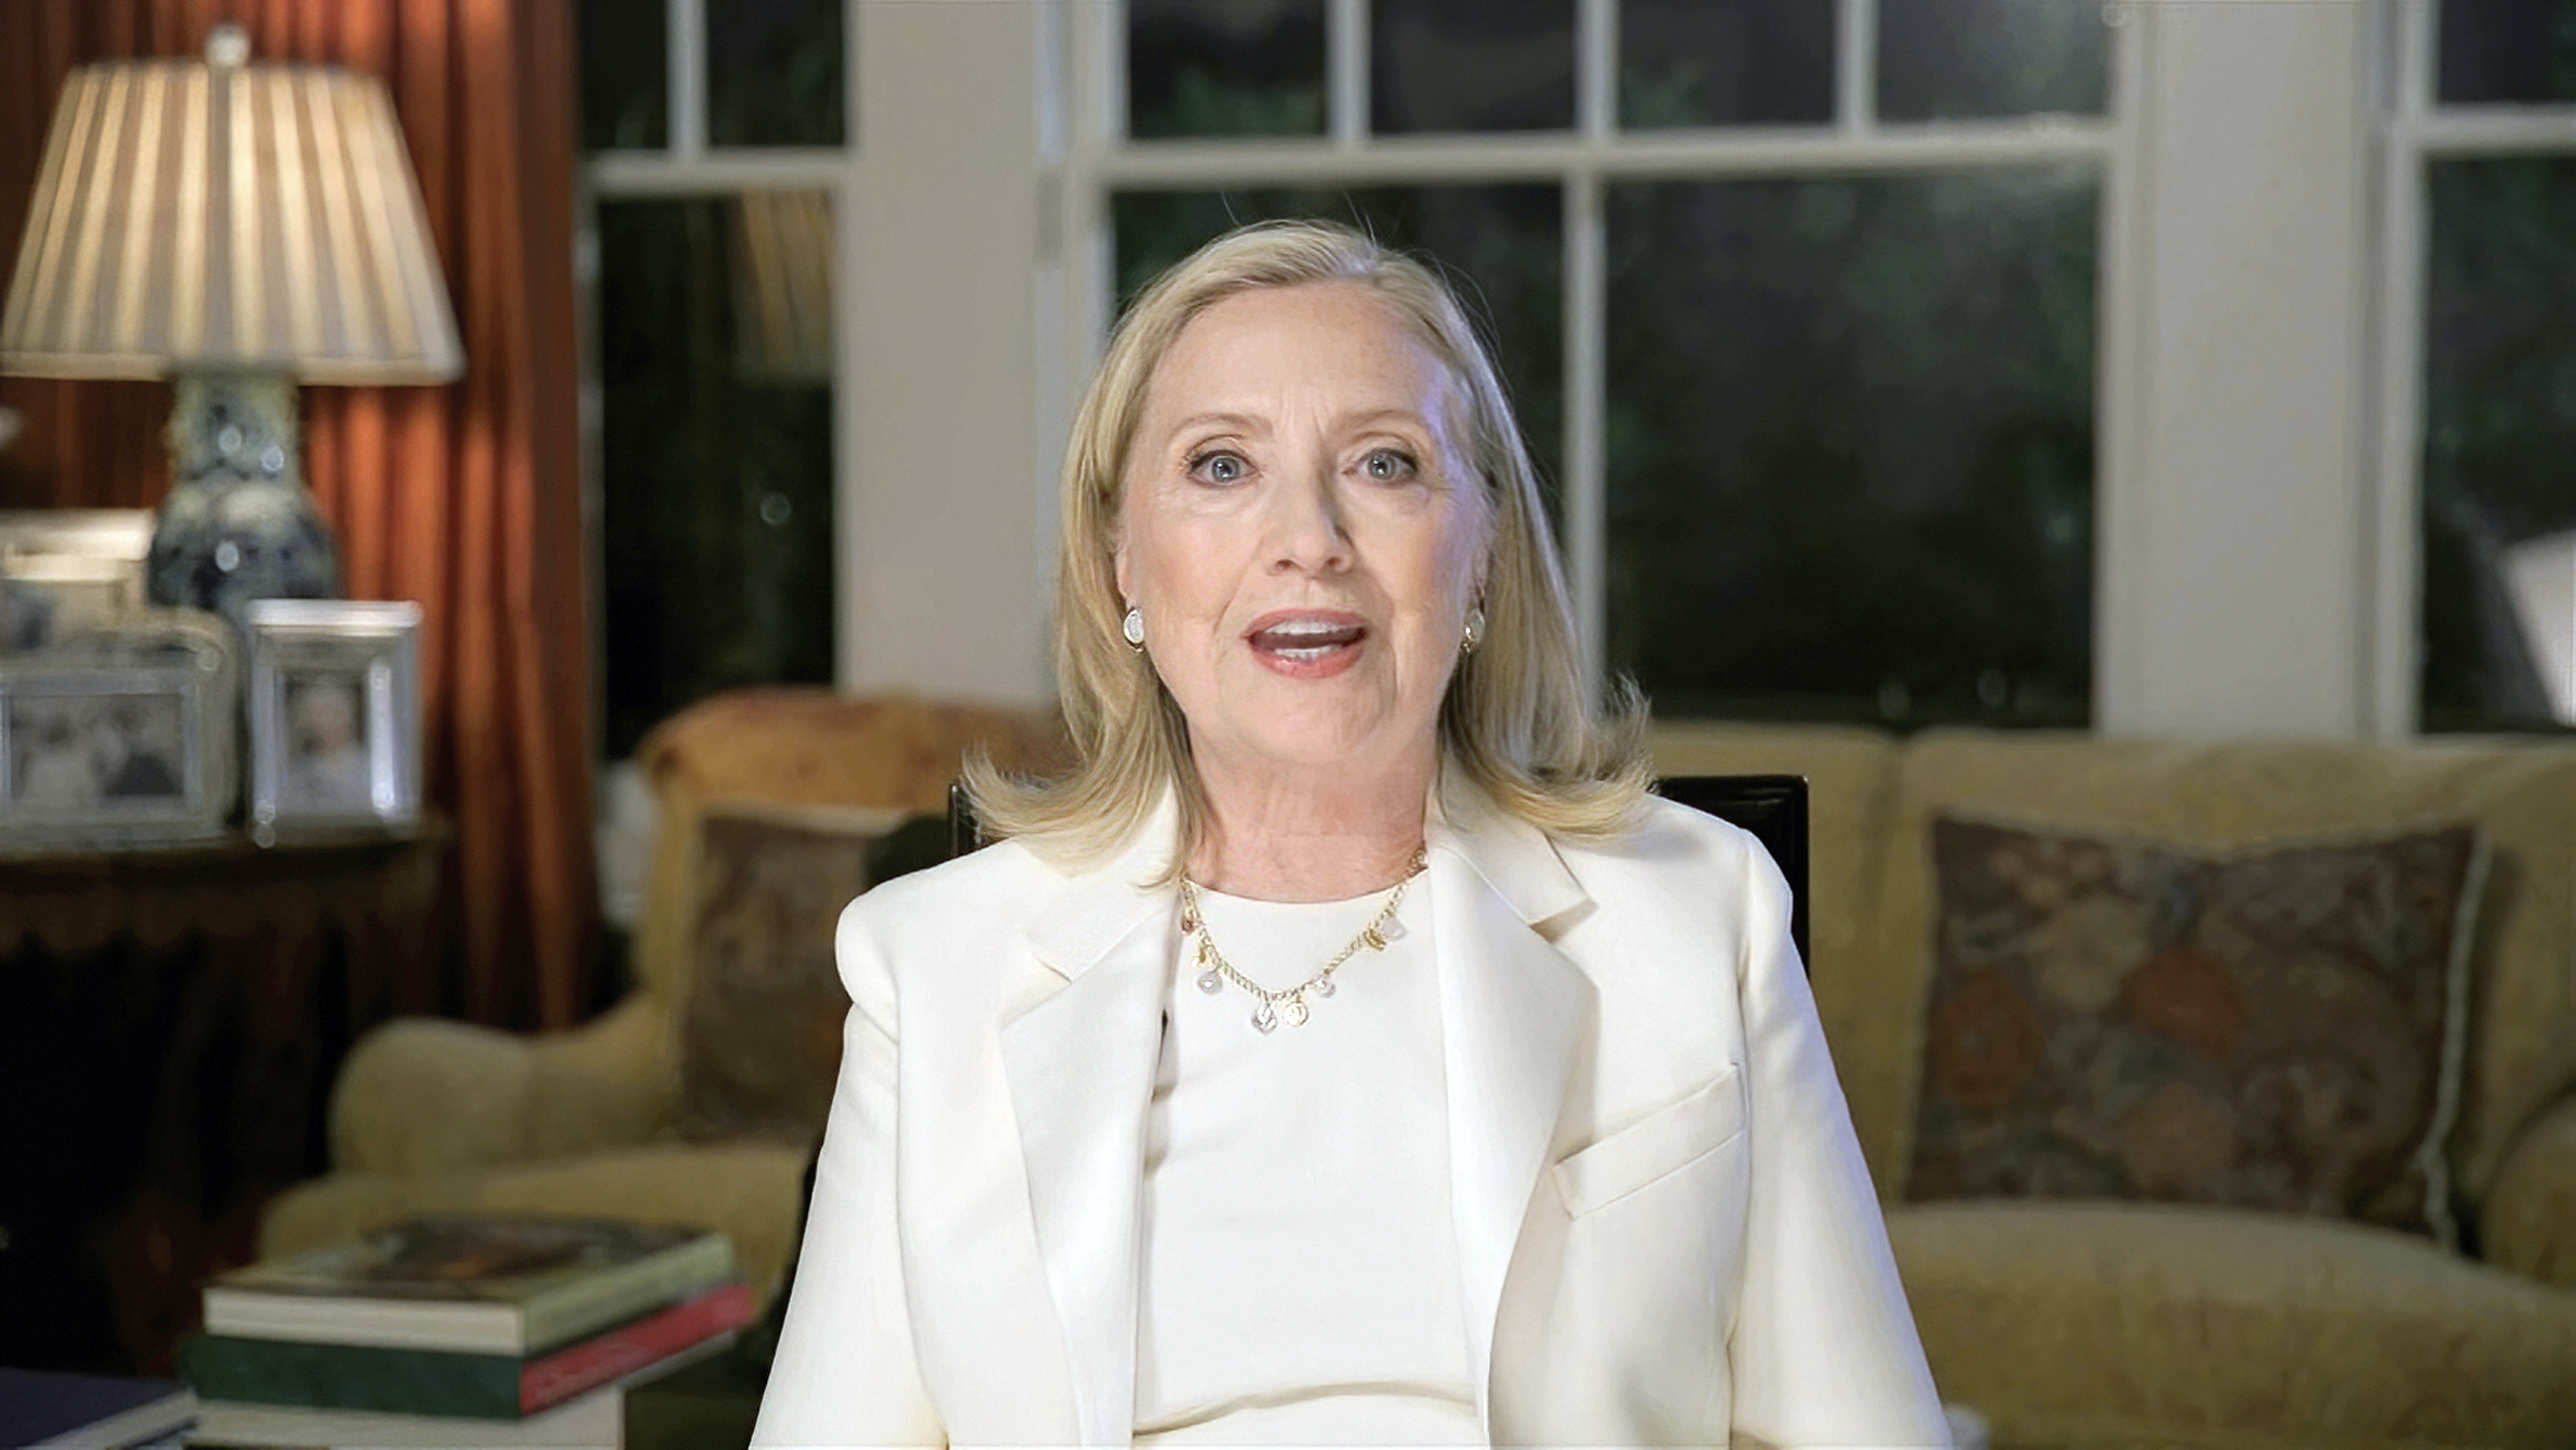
(476, 1315)
(57, 1411)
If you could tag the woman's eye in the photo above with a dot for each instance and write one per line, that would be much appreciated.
(1388, 465)
(1220, 467)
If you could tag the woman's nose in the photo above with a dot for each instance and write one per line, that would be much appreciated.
(1307, 528)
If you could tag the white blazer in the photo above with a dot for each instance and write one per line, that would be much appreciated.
(1665, 1231)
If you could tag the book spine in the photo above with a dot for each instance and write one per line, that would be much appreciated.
(620, 1352)
(352, 1377)
(566, 1313)
(436, 1382)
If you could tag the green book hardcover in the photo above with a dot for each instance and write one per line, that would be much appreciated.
(507, 1285)
(443, 1382)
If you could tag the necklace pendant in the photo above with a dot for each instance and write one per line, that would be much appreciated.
(1297, 1010)
(1265, 1019)
(1321, 986)
(1210, 982)
(1391, 929)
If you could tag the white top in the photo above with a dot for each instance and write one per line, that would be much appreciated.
(1299, 1262)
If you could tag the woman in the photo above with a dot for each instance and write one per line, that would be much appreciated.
(1348, 1051)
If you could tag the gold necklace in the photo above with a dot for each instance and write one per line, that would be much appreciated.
(1269, 1006)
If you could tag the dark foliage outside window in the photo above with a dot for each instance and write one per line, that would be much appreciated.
(625, 75)
(716, 468)
(774, 73)
(2507, 50)
(1725, 63)
(1850, 445)
(1225, 68)
(2499, 459)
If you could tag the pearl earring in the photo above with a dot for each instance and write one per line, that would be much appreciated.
(1474, 634)
(1133, 627)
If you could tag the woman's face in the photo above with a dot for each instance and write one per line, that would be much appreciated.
(1300, 530)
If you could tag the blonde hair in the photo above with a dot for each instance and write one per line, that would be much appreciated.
(1518, 720)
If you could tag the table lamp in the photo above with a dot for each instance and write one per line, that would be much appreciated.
(236, 228)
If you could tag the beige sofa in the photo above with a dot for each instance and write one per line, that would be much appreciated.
(2084, 1324)
(2074, 1325)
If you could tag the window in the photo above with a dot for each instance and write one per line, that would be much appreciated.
(1796, 299)
(2483, 216)
(716, 135)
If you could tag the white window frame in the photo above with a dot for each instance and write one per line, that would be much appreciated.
(1099, 159)
(2418, 131)
(685, 167)
(2257, 370)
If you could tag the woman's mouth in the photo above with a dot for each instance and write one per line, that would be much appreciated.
(1309, 644)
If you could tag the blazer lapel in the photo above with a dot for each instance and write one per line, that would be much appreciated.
(1513, 1009)
(1081, 1069)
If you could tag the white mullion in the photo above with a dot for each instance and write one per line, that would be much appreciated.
(850, 193)
(1346, 69)
(688, 78)
(621, 174)
(1855, 66)
(1596, 69)
(1586, 398)
(1099, 134)
(2394, 565)
(1083, 282)
(1100, 86)
(1584, 467)
(2123, 396)
(1438, 160)
(2416, 40)
(2488, 130)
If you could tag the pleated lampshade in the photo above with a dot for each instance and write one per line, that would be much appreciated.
(213, 216)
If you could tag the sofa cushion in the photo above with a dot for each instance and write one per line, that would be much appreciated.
(2237, 796)
(798, 746)
(2117, 1324)
(760, 1032)
(2115, 1019)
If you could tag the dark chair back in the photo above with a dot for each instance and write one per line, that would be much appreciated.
(1772, 807)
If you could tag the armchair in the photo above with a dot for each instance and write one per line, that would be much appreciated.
(435, 1115)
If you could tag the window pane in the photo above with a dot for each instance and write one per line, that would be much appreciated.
(716, 449)
(1850, 445)
(625, 75)
(1225, 68)
(1501, 247)
(2508, 50)
(2499, 424)
(1471, 65)
(1725, 62)
(1945, 59)
(774, 73)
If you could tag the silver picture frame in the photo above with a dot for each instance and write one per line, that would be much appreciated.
(333, 691)
(110, 754)
(63, 571)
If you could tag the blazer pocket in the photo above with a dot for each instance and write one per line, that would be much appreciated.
(1671, 1137)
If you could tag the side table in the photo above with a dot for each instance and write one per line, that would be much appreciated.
(171, 1021)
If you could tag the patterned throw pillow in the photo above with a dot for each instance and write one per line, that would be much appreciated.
(2279, 1030)
(760, 1033)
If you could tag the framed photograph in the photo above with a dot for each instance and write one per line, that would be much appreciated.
(334, 696)
(112, 754)
(63, 570)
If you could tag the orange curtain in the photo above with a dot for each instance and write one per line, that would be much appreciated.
(466, 498)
